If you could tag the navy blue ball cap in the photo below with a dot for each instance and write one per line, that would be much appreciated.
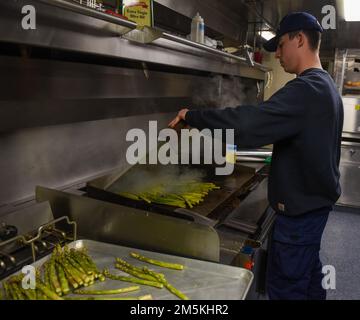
(295, 21)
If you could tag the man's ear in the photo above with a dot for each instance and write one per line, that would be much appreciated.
(301, 39)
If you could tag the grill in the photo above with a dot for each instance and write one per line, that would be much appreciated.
(140, 175)
(223, 208)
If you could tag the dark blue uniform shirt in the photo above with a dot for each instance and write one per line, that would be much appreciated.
(304, 121)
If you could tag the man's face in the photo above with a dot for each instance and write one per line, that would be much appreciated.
(287, 53)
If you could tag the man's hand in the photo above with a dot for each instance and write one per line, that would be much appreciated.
(180, 117)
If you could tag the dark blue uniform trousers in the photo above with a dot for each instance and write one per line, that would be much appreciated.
(294, 270)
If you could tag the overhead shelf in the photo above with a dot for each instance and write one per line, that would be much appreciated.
(66, 25)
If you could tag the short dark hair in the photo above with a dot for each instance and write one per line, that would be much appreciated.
(314, 37)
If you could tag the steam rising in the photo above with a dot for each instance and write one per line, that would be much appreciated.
(147, 178)
(219, 92)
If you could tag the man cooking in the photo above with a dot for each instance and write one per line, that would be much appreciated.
(304, 122)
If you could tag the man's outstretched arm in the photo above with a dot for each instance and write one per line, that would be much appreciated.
(276, 119)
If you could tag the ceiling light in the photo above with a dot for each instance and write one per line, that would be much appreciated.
(352, 10)
(267, 35)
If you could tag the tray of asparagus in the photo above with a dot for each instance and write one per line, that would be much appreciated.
(89, 270)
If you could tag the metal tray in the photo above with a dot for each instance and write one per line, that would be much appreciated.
(200, 280)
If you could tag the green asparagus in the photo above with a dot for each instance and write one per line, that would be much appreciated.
(167, 285)
(136, 274)
(46, 291)
(107, 274)
(186, 194)
(107, 292)
(62, 278)
(53, 276)
(156, 262)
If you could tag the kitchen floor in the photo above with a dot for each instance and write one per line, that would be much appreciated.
(341, 249)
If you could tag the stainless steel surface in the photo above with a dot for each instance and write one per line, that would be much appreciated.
(199, 281)
(102, 221)
(350, 175)
(65, 155)
(28, 219)
(352, 115)
(76, 32)
(247, 215)
(54, 92)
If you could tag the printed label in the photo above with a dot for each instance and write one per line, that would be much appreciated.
(139, 12)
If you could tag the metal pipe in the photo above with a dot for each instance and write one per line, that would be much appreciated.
(343, 67)
(264, 154)
(249, 159)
